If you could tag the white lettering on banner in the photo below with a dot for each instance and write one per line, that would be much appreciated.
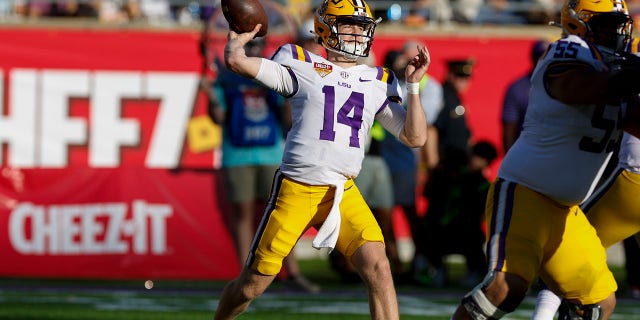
(257, 132)
(39, 131)
(57, 128)
(89, 229)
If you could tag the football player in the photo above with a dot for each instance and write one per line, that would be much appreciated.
(334, 102)
(573, 122)
(613, 210)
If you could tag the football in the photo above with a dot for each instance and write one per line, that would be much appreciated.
(244, 15)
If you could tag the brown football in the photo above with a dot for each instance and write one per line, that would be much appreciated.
(244, 15)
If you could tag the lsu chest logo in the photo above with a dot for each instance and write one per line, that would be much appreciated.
(322, 69)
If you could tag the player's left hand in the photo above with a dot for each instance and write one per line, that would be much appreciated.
(418, 65)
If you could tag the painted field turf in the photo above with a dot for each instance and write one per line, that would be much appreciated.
(130, 300)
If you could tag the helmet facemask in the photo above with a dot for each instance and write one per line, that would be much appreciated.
(357, 44)
(352, 42)
(610, 30)
(604, 23)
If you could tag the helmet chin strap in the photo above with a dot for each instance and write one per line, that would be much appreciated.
(345, 55)
(559, 25)
(353, 50)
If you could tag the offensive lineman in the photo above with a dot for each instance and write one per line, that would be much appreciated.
(613, 209)
(334, 103)
(573, 121)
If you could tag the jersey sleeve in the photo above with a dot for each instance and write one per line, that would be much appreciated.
(290, 54)
(277, 72)
(296, 61)
(387, 78)
(392, 118)
(573, 50)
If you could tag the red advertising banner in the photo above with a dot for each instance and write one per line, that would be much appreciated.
(108, 160)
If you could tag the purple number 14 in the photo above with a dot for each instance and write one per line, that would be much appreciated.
(355, 103)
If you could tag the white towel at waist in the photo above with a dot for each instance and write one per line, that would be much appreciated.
(327, 235)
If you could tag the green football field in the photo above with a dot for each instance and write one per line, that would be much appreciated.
(122, 300)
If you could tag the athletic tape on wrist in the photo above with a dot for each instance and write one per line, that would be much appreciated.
(413, 87)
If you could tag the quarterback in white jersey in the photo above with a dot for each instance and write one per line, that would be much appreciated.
(334, 103)
(574, 120)
(334, 109)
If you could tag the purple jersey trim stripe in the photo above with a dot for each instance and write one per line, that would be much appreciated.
(294, 51)
(299, 53)
(507, 214)
(307, 57)
(296, 87)
(386, 103)
(271, 205)
(602, 190)
(385, 75)
(500, 219)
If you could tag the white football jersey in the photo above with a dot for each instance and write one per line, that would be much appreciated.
(563, 149)
(333, 110)
(629, 155)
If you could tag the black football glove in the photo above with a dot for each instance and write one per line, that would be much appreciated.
(624, 80)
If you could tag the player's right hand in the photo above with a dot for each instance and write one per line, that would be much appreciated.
(234, 54)
(241, 39)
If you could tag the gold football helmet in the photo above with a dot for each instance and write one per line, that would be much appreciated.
(353, 12)
(601, 22)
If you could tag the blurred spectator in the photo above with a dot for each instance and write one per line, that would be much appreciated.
(505, 12)
(542, 11)
(634, 12)
(249, 162)
(33, 8)
(75, 9)
(501, 12)
(403, 161)
(436, 12)
(112, 11)
(299, 10)
(454, 220)
(288, 13)
(453, 136)
(465, 11)
(516, 99)
(449, 151)
(306, 38)
(156, 11)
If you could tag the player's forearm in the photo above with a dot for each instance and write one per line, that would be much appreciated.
(237, 61)
(277, 77)
(414, 132)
